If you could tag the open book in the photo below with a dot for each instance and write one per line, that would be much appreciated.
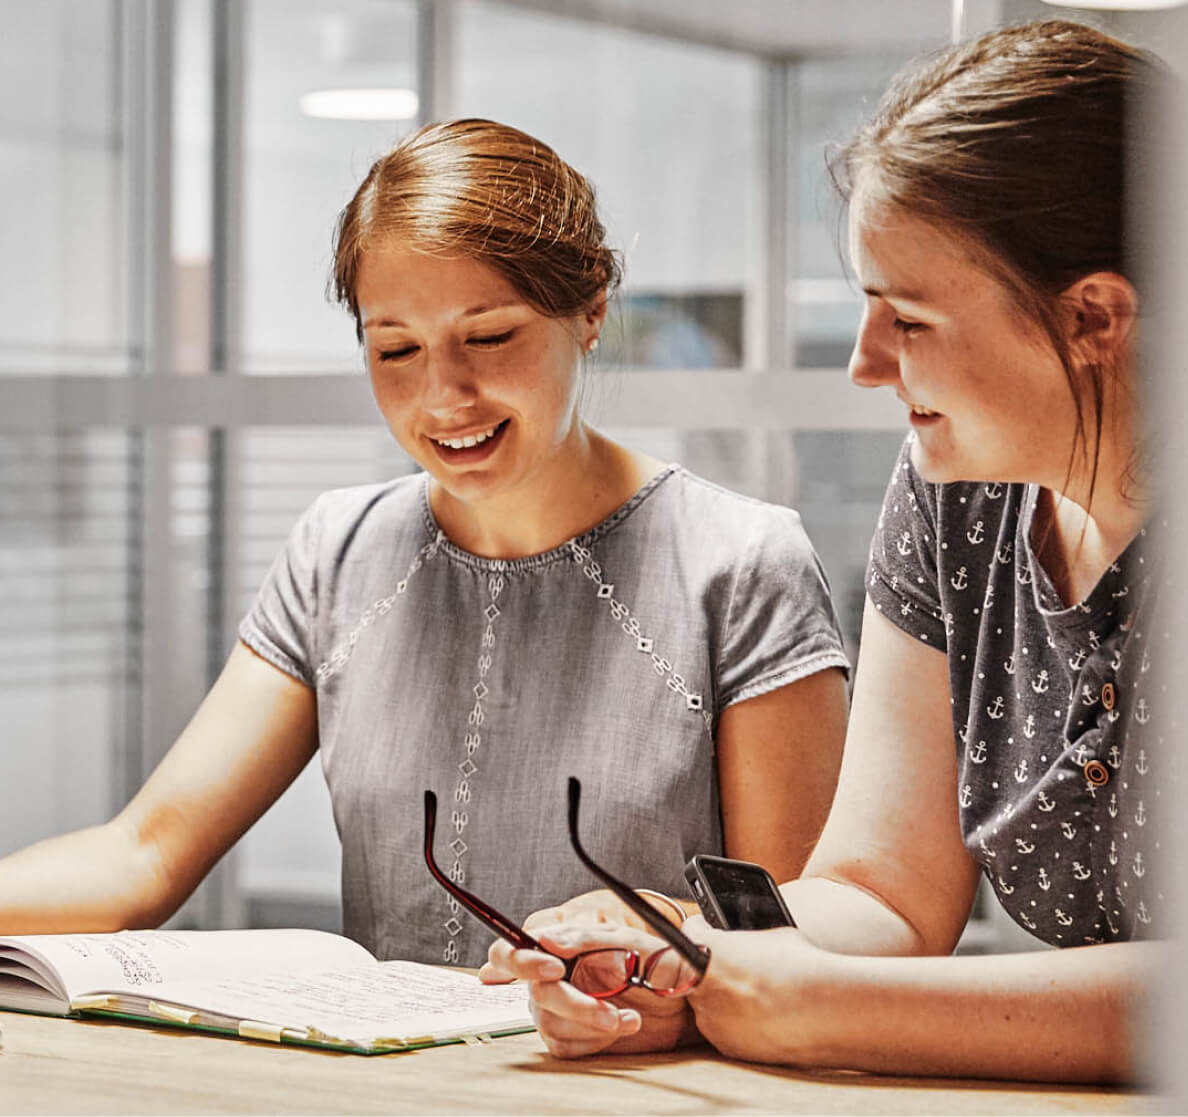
(288, 986)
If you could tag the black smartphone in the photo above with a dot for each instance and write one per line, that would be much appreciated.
(736, 895)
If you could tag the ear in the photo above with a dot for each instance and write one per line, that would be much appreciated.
(1101, 310)
(595, 316)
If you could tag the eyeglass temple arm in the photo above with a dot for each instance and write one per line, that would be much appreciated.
(694, 954)
(498, 922)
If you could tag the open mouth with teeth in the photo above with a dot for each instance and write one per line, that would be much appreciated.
(468, 446)
(923, 412)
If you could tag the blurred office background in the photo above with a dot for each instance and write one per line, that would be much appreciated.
(175, 388)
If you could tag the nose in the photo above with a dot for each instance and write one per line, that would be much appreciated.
(874, 363)
(449, 384)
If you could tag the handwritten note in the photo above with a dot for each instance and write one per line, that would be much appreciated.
(77, 964)
(392, 999)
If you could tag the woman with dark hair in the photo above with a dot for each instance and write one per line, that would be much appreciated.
(538, 603)
(1000, 719)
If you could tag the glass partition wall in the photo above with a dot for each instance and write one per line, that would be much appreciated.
(72, 498)
(175, 388)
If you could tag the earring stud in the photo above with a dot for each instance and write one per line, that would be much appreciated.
(593, 345)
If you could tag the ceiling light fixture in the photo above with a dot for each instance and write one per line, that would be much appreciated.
(360, 104)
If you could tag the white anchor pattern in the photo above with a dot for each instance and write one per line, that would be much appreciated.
(1044, 696)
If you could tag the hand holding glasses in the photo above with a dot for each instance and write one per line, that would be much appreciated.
(606, 971)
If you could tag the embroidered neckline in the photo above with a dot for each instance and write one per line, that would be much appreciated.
(562, 552)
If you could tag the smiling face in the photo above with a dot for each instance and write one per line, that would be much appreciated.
(986, 392)
(477, 386)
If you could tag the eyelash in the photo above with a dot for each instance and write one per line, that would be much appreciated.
(396, 354)
(908, 328)
(493, 341)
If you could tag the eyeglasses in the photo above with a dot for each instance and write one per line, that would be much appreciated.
(605, 971)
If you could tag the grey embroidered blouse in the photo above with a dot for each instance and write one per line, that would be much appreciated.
(491, 681)
(1060, 774)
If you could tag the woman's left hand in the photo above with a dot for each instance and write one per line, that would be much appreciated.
(591, 909)
(574, 1024)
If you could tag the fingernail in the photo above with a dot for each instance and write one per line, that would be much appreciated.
(554, 968)
(629, 1018)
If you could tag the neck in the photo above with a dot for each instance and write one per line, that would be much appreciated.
(588, 477)
(1080, 530)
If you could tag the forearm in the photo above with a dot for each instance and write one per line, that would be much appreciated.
(97, 879)
(1070, 1015)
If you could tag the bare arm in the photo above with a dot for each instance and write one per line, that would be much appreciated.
(252, 735)
(1058, 1016)
(778, 762)
(891, 874)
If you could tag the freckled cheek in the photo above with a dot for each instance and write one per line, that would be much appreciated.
(396, 402)
(550, 387)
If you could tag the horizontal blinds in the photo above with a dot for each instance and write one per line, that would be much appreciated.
(69, 568)
(284, 469)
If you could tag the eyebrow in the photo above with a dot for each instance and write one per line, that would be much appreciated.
(908, 296)
(472, 312)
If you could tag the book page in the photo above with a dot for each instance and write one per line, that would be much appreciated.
(138, 961)
(390, 1000)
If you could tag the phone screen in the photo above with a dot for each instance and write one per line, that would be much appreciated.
(746, 894)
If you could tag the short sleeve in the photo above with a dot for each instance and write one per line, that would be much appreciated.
(901, 577)
(279, 626)
(780, 624)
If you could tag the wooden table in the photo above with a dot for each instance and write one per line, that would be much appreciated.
(68, 1066)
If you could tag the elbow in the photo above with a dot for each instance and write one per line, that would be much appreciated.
(845, 912)
(148, 892)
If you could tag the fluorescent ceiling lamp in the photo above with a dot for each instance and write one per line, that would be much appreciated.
(1118, 5)
(360, 104)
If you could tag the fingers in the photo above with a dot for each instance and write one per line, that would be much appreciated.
(494, 975)
(568, 939)
(590, 908)
(507, 963)
(565, 1041)
(573, 1024)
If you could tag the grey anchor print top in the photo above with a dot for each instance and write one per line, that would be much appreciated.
(1059, 777)
(489, 681)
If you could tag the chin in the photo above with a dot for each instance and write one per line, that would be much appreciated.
(466, 490)
(942, 469)
(927, 465)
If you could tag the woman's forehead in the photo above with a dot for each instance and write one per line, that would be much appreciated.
(393, 271)
(898, 254)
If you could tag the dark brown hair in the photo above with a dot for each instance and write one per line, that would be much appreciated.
(477, 189)
(1019, 142)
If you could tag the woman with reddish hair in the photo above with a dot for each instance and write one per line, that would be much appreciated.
(538, 602)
